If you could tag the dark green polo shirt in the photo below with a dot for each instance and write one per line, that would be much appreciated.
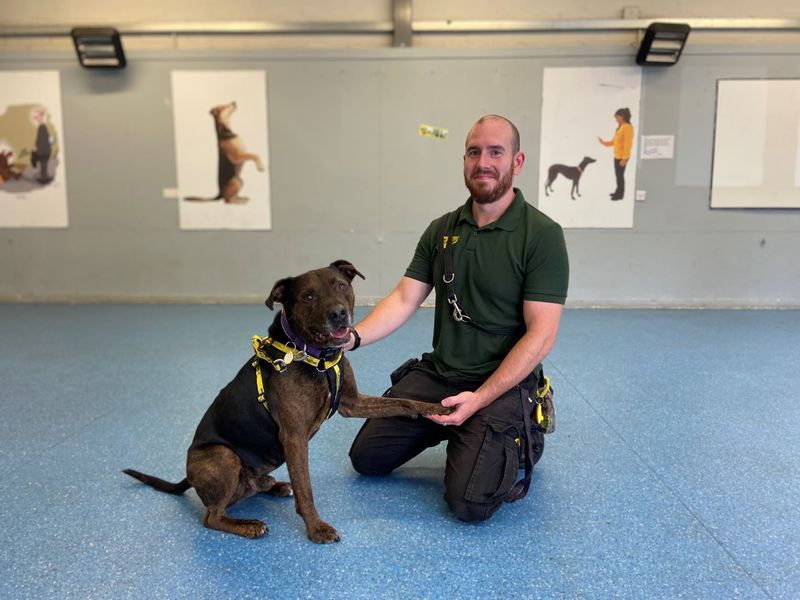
(521, 256)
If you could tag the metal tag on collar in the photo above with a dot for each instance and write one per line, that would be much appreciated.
(288, 358)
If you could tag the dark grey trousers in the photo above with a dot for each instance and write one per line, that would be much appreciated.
(484, 454)
(619, 174)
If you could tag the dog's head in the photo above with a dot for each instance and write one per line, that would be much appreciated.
(223, 112)
(319, 303)
(587, 160)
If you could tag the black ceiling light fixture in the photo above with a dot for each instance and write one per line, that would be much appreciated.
(98, 47)
(662, 44)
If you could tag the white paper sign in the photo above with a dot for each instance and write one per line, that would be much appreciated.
(658, 146)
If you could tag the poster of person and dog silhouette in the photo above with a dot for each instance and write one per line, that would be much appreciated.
(587, 164)
(221, 149)
(33, 188)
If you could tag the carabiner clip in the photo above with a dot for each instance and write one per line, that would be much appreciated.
(457, 314)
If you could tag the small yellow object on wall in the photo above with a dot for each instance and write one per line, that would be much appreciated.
(433, 132)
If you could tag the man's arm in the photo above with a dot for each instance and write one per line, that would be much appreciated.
(541, 321)
(392, 312)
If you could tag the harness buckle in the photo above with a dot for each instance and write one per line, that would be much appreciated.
(279, 364)
(449, 281)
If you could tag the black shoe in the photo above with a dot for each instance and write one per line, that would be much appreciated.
(616, 197)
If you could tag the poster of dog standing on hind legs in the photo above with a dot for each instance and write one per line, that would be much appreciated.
(587, 160)
(221, 146)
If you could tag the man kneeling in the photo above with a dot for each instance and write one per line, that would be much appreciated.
(500, 271)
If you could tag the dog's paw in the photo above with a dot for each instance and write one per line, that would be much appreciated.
(252, 528)
(282, 488)
(437, 409)
(323, 534)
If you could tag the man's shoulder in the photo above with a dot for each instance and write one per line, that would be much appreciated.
(445, 219)
(537, 220)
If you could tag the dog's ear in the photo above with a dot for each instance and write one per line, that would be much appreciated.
(347, 269)
(280, 292)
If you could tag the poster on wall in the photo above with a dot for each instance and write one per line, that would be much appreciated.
(757, 144)
(33, 182)
(221, 149)
(587, 164)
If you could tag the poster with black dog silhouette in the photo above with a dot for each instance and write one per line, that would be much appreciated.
(33, 183)
(221, 149)
(587, 165)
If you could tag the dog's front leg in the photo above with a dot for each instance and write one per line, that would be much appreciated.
(242, 157)
(359, 405)
(353, 404)
(295, 448)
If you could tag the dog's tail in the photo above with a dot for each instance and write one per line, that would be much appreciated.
(160, 484)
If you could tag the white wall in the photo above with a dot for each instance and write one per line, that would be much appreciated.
(110, 12)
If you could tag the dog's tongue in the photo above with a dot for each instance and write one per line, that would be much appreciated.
(340, 333)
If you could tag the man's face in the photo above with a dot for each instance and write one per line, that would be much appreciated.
(489, 161)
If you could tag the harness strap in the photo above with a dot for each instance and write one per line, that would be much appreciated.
(445, 250)
(334, 376)
(330, 368)
(541, 385)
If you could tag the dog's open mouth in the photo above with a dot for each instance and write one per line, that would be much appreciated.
(335, 337)
(340, 334)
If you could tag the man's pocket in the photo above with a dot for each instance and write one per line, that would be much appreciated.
(495, 469)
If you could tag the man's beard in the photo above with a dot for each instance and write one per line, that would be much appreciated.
(483, 196)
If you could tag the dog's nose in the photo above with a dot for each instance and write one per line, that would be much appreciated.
(338, 315)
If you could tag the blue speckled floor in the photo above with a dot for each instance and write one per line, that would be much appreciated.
(674, 473)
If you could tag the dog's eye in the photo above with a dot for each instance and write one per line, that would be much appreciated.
(308, 297)
(342, 286)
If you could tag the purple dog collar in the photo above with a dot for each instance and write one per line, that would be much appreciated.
(299, 343)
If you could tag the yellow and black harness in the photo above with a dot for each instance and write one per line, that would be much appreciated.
(291, 354)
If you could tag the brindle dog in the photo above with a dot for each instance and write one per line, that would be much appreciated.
(238, 443)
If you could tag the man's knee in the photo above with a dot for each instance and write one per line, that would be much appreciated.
(472, 512)
(362, 464)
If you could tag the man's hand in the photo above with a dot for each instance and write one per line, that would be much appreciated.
(464, 405)
(623, 162)
(351, 341)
